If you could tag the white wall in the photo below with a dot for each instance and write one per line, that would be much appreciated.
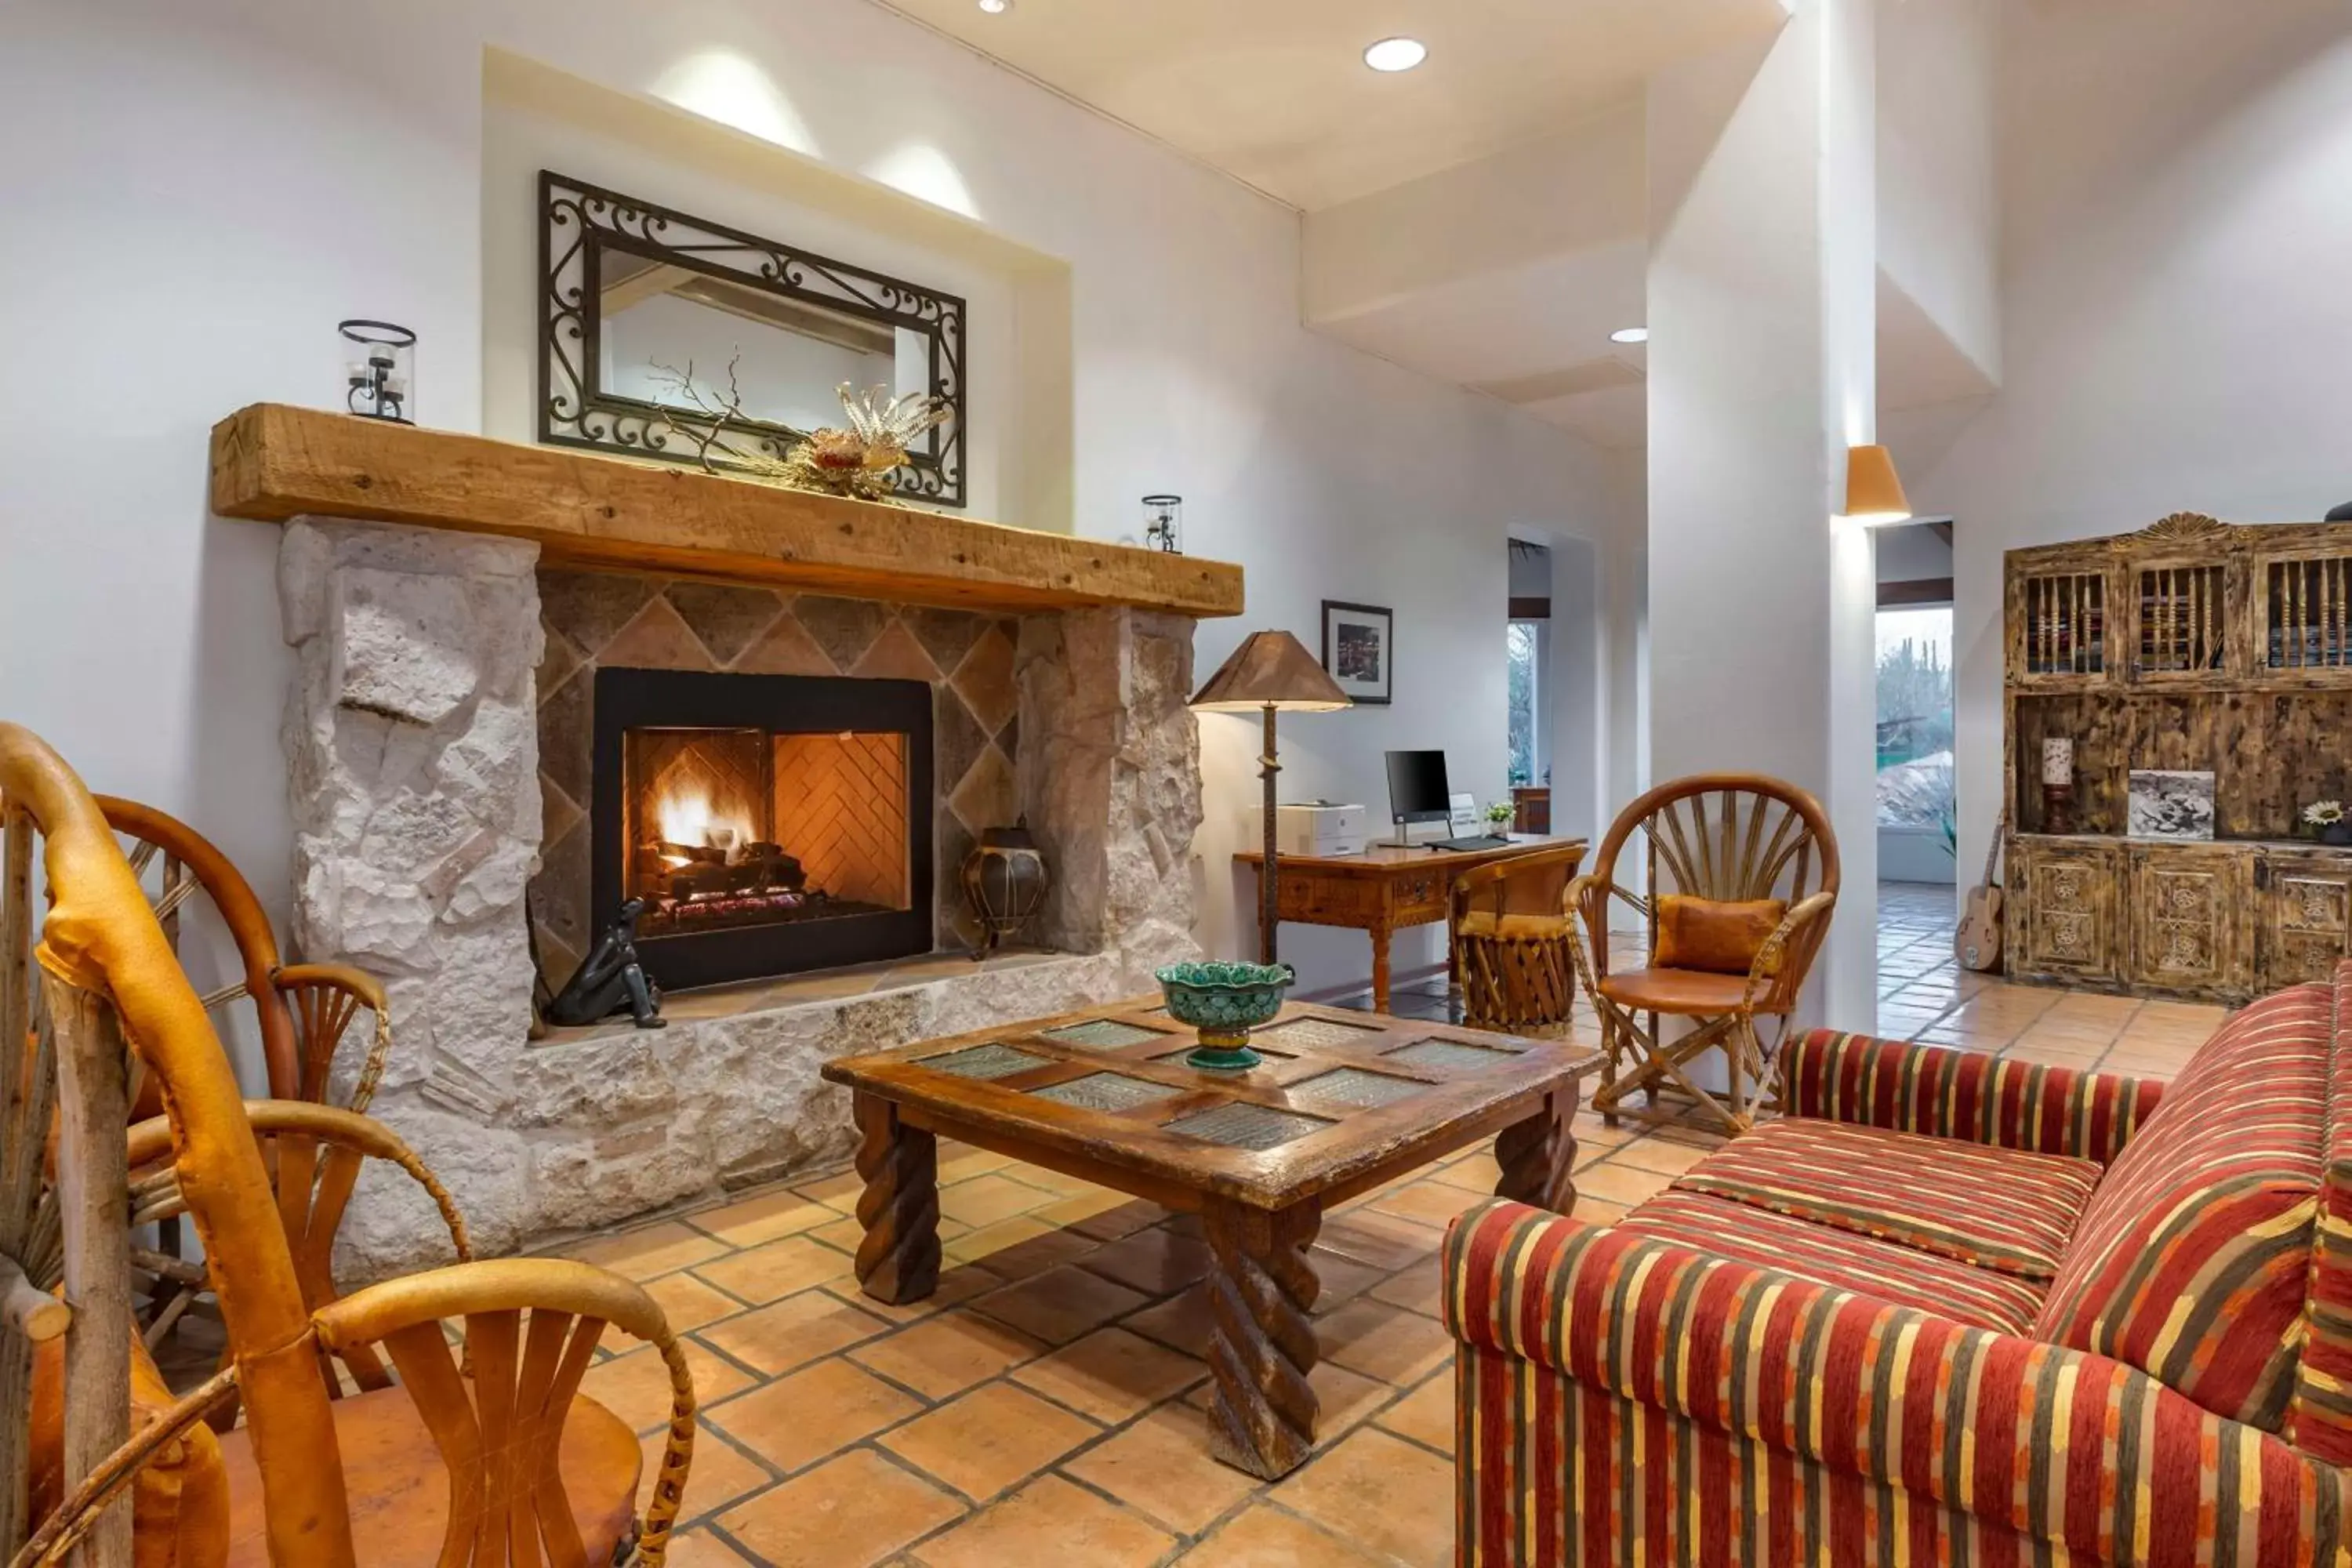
(1937, 225)
(217, 185)
(1762, 289)
(2177, 325)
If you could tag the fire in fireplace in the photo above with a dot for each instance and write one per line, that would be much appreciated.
(771, 824)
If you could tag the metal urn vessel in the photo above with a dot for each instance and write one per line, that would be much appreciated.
(1005, 880)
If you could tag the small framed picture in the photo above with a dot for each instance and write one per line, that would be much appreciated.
(2165, 804)
(1360, 650)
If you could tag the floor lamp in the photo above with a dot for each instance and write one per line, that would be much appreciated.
(1273, 671)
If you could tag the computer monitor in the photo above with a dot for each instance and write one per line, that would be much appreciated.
(1417, 791)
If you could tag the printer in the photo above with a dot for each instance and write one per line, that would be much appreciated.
(1314, 828)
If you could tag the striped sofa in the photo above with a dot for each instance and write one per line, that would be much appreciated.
(1949, 1308)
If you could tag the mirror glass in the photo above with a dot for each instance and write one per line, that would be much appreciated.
(782, 359)
(672, 336)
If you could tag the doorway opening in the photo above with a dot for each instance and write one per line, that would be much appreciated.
(1918, 820)
(1527, 656)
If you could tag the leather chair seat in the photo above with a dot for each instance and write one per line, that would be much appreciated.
(399, 1486)
(1685, 992)
(1512, 928)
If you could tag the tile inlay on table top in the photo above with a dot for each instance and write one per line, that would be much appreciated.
(1107, 1033)
(1302, 1032)
(1241, 1125)
(1355, 1087)
(1447, 1054)
(989, 1061)
(1107, 1091)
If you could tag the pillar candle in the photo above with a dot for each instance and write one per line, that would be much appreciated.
(2058, 760)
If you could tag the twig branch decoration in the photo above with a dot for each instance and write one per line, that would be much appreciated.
(856, 461)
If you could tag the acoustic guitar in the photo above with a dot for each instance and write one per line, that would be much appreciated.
(1978, 942)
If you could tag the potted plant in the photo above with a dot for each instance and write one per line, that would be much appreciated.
(2329, 823)
(1499, 814)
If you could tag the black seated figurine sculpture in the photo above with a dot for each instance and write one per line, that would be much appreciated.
(612, 979)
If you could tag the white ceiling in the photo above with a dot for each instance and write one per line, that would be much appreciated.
(1277, 92)
(1479, 219)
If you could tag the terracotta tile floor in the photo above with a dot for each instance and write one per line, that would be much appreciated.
(1046, 1406)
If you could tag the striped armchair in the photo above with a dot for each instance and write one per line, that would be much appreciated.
(1949, 1308)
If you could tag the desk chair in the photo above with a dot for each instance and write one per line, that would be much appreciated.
(1514, 942)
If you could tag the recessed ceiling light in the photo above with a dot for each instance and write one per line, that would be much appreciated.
(1630, 335)
(1396, 54)
(996, 7)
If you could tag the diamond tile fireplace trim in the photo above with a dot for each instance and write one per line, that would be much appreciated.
(599, 620)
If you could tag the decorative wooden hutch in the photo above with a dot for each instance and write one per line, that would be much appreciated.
(2192, 645)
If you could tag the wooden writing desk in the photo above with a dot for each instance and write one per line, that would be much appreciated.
(1380, 890)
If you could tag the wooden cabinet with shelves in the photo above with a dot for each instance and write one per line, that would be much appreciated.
(2193, 646)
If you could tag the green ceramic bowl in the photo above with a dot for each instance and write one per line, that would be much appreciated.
(1225, 1002)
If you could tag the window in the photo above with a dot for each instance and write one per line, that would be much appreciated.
(1915, 719)
(1526, 663)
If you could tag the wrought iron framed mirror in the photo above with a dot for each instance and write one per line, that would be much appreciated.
(658, 326)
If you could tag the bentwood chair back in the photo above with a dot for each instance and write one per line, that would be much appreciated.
(1742, 880)
(532, 1469)
(302, 1011)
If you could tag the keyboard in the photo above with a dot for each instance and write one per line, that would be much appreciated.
(1485, 841)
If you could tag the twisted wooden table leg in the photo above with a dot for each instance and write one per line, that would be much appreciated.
(1539, 1155)
(898, 1259)
(1263, 1346)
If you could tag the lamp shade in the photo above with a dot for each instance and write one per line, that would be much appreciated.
(1873, 490)
(1271, 669)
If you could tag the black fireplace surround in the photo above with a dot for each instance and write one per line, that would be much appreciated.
(814, 930)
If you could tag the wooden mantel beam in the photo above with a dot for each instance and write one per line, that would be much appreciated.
(272, 462)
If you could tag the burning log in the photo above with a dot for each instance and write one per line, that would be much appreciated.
(696, 872)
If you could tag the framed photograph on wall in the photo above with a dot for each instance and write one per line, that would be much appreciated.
(1360, 650)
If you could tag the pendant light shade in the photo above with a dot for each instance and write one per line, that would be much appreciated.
(1873, 490)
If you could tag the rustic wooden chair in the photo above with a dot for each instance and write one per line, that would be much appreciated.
(1512, 940)
(302, 1010)
(303, 1013)
(313, 1155)
(450, 1466)
(1743, 877)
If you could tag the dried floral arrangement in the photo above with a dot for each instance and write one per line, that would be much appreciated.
(855, 462)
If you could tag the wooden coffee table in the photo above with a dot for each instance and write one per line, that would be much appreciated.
(1345, 1102)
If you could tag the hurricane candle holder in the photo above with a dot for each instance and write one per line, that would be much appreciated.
(1164, 524)
(379, 369)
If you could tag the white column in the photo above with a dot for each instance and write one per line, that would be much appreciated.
(1762, 321)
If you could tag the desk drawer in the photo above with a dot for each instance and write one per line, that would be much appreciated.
(1418, 898)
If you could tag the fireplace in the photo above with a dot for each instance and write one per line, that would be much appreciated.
(769, 824)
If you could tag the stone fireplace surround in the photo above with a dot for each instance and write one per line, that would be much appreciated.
(428, 741)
